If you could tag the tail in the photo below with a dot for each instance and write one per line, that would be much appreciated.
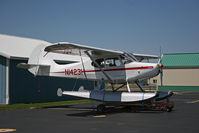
(38, 63)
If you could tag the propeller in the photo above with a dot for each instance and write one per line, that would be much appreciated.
(161, 76)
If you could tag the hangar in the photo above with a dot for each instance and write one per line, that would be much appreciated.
(180, 72)
(20, 86)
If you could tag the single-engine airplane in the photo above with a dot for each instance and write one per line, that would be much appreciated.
(100, 65)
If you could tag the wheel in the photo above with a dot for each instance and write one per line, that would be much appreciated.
(101, 108)
(168, 109)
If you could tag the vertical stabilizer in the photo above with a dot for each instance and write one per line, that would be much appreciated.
(39, 61)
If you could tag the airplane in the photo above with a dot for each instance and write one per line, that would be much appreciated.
(118, 68)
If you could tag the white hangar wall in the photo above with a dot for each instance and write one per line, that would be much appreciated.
(20, 86)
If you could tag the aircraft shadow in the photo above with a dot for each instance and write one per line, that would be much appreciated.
(90, 111)
(110, 111)
(58, 106)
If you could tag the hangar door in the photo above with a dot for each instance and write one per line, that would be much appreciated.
(2, 80)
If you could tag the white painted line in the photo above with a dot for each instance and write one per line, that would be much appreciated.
(6, 130)
(99, 116)
(195, 101)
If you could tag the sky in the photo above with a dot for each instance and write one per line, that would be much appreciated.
(140, 26)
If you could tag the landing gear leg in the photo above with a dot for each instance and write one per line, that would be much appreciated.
(139, 86)
(114, 90)
(127, 84)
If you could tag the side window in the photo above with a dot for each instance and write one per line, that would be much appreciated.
(154, 81)
(100, 62)
(117, 62)
(110, 62)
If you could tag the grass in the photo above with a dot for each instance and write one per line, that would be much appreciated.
(41, 105)
(47, 104)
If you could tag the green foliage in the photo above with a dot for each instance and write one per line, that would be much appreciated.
(41, 105)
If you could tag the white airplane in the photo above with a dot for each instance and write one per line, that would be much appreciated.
(99, 65)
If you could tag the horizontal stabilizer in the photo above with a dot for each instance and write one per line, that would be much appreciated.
(28, 66)
(35, 69)
(25, 66)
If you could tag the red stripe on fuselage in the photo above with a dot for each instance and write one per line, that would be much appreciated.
(121, 69)
(116, 69)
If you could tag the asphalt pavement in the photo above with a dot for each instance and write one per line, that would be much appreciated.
(82, 118)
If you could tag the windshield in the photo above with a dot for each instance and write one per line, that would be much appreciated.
(115, 61)
(127, 58)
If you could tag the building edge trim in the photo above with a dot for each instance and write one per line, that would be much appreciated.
(181, 67)
(7, 80)
(178, 88)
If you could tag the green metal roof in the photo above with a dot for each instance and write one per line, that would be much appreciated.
(180, 60)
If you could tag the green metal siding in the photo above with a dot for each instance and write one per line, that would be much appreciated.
(2, 80)
(178, 88)
(182, 60)
(25, 88)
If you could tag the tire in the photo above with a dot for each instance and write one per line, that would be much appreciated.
(168, 109)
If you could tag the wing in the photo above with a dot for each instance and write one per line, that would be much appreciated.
(95, 52)
(141, 57)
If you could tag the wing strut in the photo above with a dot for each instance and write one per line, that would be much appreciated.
(82, 63)
(127, 84)
(105, 74)
(118, 87)
(139, 86)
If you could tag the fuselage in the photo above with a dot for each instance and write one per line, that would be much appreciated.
(119, 73)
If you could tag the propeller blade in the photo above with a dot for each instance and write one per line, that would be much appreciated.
(161, 77)
(161, 70)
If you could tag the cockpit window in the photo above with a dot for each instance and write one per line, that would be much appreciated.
(115, 61)
(125, 59)
(101, 63)
(109, 62)
(112, 62)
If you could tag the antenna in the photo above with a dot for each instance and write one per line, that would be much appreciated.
(160, 50)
